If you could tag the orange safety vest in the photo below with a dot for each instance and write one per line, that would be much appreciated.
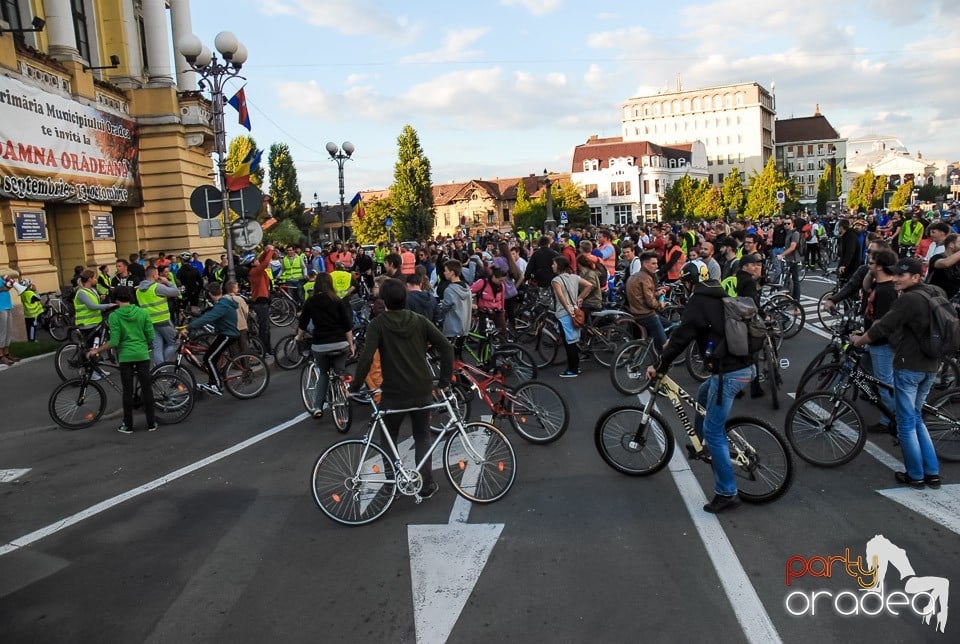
(408, 263)
(611, 262)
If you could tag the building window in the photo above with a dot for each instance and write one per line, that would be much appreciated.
(656, 109)
(686, 105)
(80, 28)
(666, 108)
(709, 161)
(590, 191)
(809, 165)
(710, 179)
(656, 186)
(820, 149)
(623, 213)
(491, 217)
(506, 215)
(720, 178)
(10, 13)
(719, 160)
(717, 102)
(729, 158)
(739, 102)
(596, 215)
(446, 219)
(727, 100)
(673, 163)
(696, 105)
(619, 188)
(646, 130)
(476, 219)
(651, 212)
(809, 178)
(810, 150)
(740, 158)
(681, 162)
(646, 186)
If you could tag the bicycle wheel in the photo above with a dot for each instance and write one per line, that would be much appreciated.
(825, 429)
(613, 336)
(942, 419)
(629, 445)
(761, 461)
(282, 311)
(948, 376)
(256, 347)
(537, 412)
(286, 353)
(831, 321)
(547, 343)
(480, 462)
(68, 360)
(246, 376)
(831, 353)
(696, 366)
(309, 379)
(59, 327)
(353, 482)
(440, 418)
(77, 403)
(628, 372)
(178, 369)
(340, 407)
(172, 397)
(790, 312)
(771, 367)
(516, 364)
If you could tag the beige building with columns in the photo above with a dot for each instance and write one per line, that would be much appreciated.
(96, 164)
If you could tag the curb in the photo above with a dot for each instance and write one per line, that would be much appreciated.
(4, 367)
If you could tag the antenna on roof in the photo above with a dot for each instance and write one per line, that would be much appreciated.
(679, 84)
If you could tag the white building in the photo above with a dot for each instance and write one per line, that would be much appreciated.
(624, 181)
(883, 154)
(735, 123)
(805, 148)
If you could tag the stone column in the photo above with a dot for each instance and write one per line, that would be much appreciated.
(59, 30)
(157, 38)
(180, 20)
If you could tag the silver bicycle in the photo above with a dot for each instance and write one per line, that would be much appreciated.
(356, 481)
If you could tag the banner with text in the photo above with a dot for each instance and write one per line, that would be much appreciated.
(56, 149)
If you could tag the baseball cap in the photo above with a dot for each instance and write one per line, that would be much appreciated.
(908, 265)
(751, 258)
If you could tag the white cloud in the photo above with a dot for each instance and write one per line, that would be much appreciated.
(536, 7)
(357, 17)
(455, 47)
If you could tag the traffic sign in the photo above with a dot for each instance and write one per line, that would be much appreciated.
(388, 222)
(563, 217)
(246, 233)
(246, 202)
(781, 196)
(206, 202)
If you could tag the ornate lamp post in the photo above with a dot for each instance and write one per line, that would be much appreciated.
(214, 73)
(341, 155)
(550, 223)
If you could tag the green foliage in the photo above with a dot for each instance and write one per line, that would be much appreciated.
(867, 192)
(284, 233)
(527, 213)
(823, 188)
(678, 199)
(901, 197)
(371, 229)
(569, 196)
(239, 148)
(709, 202)
(762, 194)
(412, 189)
(734, 196)
(286, 201)
(932, 193)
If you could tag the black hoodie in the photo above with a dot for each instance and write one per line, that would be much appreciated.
(703, 321)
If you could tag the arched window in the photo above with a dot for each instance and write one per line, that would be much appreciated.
(666, 107)
(646, 110)
(673, 163)
(656, 109)
(686, 105)
(696, 105)
(676, 106)
(717, 104)
(739, 98)
(727, 100)
(681, 162)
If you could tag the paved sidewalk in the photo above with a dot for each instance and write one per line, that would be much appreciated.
(25, 390)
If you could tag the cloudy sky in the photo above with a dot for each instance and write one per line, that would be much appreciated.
(509, 87)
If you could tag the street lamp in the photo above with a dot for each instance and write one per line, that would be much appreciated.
(214, 74)
(954, 188)
(341, 155)
(550, 224)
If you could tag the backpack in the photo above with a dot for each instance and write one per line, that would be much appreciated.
(943, 339)
(743, 329)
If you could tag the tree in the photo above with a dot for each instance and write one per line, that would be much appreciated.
(371, 228)
(679, 198)
(823, 188)
(240, 147)
(285, 195)
(569, 196)
(709, 202)
(867, 192)
(285, 233)
(762, 194)
(527, 213)
(412, 189)
(734, 197)
(902, 196)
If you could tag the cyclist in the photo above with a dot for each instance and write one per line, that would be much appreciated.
(294, 272)
(152, 296)
(32, 308)
(402, 337)
(332, 332)
(703, 322)
(223, 318)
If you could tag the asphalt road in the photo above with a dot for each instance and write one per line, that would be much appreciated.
(207, 532)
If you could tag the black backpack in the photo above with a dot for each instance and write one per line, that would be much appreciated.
(943, 338)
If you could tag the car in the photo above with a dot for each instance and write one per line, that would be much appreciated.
(368, 248)
(410, 245)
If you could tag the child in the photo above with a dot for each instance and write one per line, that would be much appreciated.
(32, 308)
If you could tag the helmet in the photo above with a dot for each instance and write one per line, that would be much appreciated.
(694, 272)
(185, 255)
(26, 283)
(248, 259)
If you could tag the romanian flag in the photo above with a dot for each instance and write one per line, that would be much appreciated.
(357, 205)
(239, 103)
(239, 177)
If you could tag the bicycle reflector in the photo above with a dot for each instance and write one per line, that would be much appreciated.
(336, 498)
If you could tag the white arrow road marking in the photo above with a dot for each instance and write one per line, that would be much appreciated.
(446, 562)
(941, 506)
(6, 476)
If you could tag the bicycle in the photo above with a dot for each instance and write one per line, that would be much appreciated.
(601, 339)
(639, 442)
(336, 396)
(56, 316)
(283, 306)
(81, 402)
(244, 375)
(826, 429)
(536, 410)
(68, 361)
(354, 482)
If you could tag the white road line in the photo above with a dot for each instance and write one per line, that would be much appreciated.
(6, 476)
(750, 612)
(103, 506)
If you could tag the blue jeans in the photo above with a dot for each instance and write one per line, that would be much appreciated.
(793, 271)
(881, 356)
(712, 426)
(654, 327)
(776, 267)
(164, 342)
(912, 388)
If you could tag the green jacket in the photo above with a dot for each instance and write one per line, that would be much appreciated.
(131, 333)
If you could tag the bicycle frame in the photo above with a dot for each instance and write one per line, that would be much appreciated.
(480, 381)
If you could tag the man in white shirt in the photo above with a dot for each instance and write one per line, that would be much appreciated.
(938, 232)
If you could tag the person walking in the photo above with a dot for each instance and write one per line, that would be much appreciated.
(569, 290)
(131, 332)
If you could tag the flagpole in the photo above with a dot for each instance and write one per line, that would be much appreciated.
(214, 74)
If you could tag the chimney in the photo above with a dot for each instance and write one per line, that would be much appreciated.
(816, 112)
(593, 138)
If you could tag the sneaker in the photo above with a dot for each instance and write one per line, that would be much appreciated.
(721, 503)
(569, 374)
(902, 477)
(318, 414)
(429, 490)
(123, 429)
(932, 481)
(96, 376)
(210, 389)
(153, 427)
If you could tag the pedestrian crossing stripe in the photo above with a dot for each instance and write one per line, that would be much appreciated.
(8, 476)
